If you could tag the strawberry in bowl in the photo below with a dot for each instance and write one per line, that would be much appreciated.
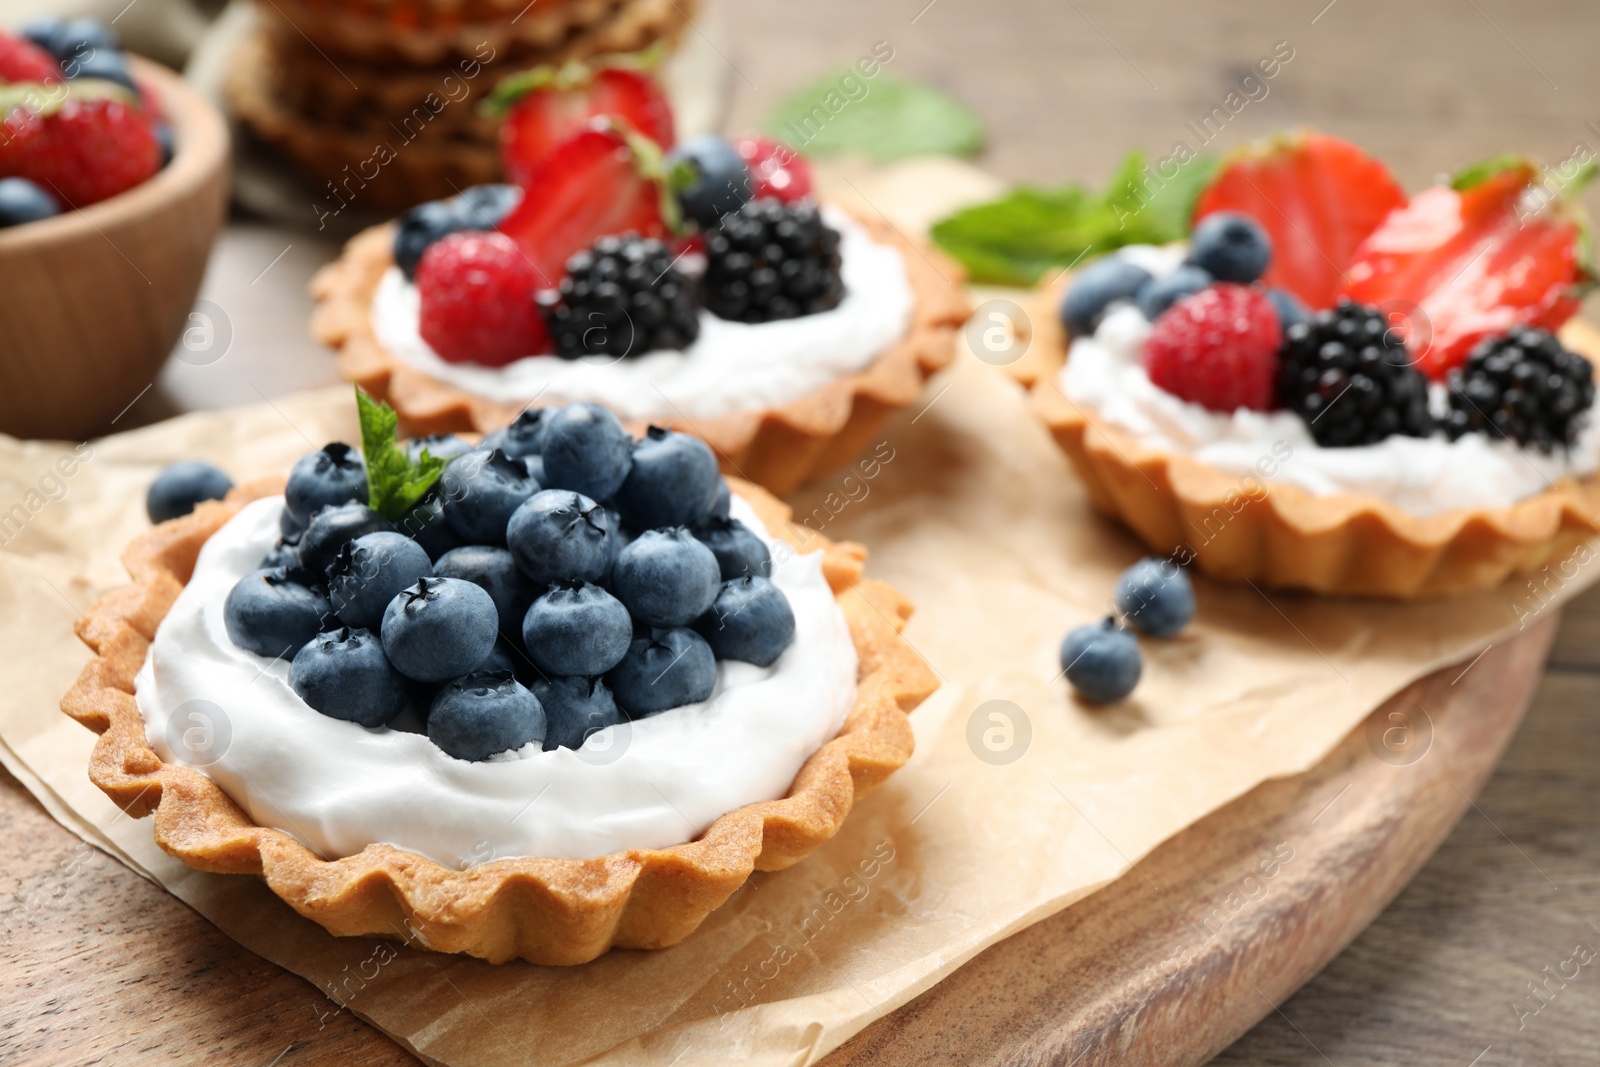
(694, 283)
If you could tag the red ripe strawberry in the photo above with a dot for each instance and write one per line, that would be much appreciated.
(599, 181)
(476, 289)
(24, 61)
(776, 170)
(548, 105)
(83, 146)
(1460, 263)
(1217, 348)
(1317, 197)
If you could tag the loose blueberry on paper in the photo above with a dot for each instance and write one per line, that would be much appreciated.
(603, 588)
(1102, 660)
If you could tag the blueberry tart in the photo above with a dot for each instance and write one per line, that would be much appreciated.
(578, 724)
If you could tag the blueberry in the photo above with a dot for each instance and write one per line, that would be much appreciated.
(723, 501)
(485, 205)
(666, 578)
(345, 675)
(1231, 247)
(439, 628)
(100, 63)
(535, 465)
(1291, 310)
(442, 446)
(334, 474)
(330, 528)
(561, 536)
(506, 656)
(575, 708)
(166, 139)
(476, 717)
(666, 669)
(1101, 661)
(577, 629)
(739, 552)
(481, 490)
(751, 620)
(523, 438)
(284, 554)
(181, 486)
(480, 207)
(269, 613)
(289, 526)
(672, 482)
(1156, 596)
(1095, 288)
(369, 572)
(428, 526)
(42, 31)
(717, 177)
(1158, 294)
(495, 572)
(586, 450)
(80, 37)
(23, 201)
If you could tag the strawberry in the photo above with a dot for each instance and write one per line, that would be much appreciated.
(546, 105)
(602, 180)
(776, 170)
(1474, 258)
(1317, 197)
(1217, 348)
(83, 144)
(24, 61)
(476, 291)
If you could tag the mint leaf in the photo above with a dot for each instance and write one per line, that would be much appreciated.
(881, 118)
(1017, 238)
(395, 482)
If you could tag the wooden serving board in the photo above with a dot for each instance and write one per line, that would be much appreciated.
(1211, 932)
(1166, 966)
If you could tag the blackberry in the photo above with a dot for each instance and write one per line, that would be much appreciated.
(771, 260)
(621, 297)
(1522, 385)
(1351, 379)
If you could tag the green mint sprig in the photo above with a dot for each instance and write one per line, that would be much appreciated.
(395, 481)
(1027, 232)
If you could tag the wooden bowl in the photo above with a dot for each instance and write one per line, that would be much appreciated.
(95, 300)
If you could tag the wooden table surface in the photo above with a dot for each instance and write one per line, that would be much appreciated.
(105, 967)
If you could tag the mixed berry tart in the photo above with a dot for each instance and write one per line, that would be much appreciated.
(1334, 386)
(555, 692)
(697, 285)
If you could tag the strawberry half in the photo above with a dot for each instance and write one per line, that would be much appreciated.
(1488, 252)
(602, 180)
(24, 61)
(1317, 197)
(546, 105)
(82, 141)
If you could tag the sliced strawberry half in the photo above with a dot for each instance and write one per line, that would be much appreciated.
(602, 180)
(1317, 197)
(1490, 251)
(546, 105)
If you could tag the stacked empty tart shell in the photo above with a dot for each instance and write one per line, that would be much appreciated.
(379, 100)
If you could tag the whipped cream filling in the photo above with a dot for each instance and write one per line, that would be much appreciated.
(339, 787)
(1105, 374)
(732, 367)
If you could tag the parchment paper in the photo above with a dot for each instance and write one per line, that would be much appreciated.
(970, 510)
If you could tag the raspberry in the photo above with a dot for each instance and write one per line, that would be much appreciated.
(24, 61)
(83, 148)
(477, 290)
(776, 170)
(1217, 348)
